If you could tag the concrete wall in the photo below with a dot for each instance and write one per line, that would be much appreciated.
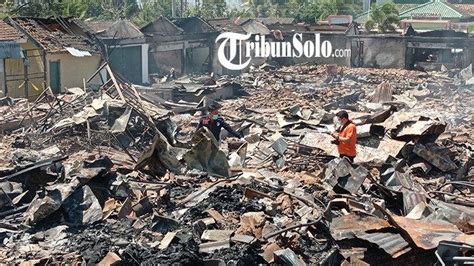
(381, 51)
(196, 58)
(468, 57)
(73, 70)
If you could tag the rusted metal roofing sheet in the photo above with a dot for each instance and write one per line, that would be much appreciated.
(427, 235)
(348, 226)
(392, 243)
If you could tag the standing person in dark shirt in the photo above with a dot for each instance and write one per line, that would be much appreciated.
(214, 122)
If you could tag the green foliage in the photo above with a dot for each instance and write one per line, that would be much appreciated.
(385, 17)
(369, 25)
(151, 10)
(107, 9)
(208, 9)
(234, 13)
(8, 4)
(471, 27)
(302, 10)
(97, 9)
(328, 7)
(110, 9)
(308, 12)
(73, 8)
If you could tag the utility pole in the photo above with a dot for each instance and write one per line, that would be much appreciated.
(173, 8)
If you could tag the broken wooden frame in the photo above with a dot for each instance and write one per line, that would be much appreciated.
(117, 88)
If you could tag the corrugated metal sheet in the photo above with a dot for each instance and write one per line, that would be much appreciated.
(392, 243)
(411, 199)
(225, 24)
(348, 226)
(77, 53)
(255, 27)
(428, 234)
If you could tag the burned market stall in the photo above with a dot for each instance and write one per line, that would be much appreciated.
(109, 173)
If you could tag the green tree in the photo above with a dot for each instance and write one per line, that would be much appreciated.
(241, 12)
(471, 27)
(76, 8)
(327, 8)
(151, 10)
(106, 9)
(307, 12)
(208, 9)
(116, 9)
(385, 17)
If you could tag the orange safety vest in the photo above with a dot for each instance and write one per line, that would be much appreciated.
(348, 148)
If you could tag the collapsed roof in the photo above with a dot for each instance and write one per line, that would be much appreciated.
(55, 34)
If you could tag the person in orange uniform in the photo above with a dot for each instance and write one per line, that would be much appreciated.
(346, 136)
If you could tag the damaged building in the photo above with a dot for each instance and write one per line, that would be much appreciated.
(125, 46)
(10, 41)
(428, 50)
(56, 55)
(183, 45)
(432, 49)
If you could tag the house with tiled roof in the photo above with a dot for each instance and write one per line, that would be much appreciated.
(125, 45)
(10, 49)
(8, 33)
(436, 8)
(437, 14)
(57, 54)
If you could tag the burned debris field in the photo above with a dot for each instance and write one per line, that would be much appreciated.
(117, 174)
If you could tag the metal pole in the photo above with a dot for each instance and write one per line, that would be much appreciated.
(45, 78)
(5, 76)
(173, 8)
(25, 72)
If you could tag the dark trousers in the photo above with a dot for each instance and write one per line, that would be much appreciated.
(350, 158)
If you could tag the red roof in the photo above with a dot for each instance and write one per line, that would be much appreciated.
(467, 9)
(8, 33)
(55, 34)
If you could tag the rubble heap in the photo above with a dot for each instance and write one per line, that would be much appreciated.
(109, 176)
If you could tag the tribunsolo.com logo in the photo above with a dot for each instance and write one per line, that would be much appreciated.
(233, 59)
